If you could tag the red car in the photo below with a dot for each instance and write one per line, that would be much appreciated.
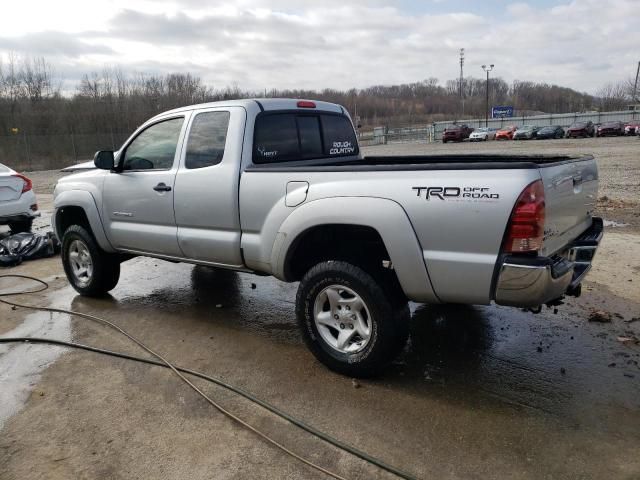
(615, 129)
(506, 133)
(581, 129)
(456, 133)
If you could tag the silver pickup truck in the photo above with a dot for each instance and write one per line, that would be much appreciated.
(278, 187)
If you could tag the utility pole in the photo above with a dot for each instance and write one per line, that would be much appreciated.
(635, 85)
(487, 70)
(462, 80)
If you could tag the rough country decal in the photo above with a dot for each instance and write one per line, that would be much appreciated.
(342, 148)
(464, 193)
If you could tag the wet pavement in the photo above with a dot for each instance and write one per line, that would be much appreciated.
(480, 392)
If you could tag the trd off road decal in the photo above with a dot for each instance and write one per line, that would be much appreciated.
(342, 148)
(456, 193)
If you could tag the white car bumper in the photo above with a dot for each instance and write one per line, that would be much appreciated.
(477, 138)
(22, 208)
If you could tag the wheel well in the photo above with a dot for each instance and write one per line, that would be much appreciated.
(357, 244)
(68, 216)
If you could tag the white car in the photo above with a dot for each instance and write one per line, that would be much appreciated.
(483, 134)
(18, 206)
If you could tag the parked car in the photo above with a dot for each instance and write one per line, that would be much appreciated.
(483, 134)
(456, 133)
(278, 187)
(18, 206)
(550, 131)
(611, 129)
(526, 132)
(581, 129)
(632, 128)
(506, 133)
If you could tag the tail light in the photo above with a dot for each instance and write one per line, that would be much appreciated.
(526, 226)
(27, 185)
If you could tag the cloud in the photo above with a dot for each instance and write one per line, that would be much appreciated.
(51, 43)
(336, 44)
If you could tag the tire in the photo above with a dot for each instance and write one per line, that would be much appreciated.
(21, 226)
(378, 310)
(81, 252)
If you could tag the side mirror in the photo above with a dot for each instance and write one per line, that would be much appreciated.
(104, 160)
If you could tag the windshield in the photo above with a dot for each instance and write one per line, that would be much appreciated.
(579, 125)
(610, 124)
(452, 127)
(482, 130)
(547, 129)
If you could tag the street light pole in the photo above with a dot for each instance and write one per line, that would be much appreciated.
(487, 70)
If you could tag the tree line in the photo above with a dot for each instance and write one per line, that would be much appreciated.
(105, 106)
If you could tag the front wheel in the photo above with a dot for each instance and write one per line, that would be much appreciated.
(90, 270)
(348, 320)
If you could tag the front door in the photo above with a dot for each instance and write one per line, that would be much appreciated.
(138, 197)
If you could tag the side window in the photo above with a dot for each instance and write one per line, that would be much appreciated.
(155, 147)
(207, 139)
(339, 137)
(275, 139)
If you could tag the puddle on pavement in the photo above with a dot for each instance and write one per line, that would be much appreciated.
(21, 365)
(558, 364)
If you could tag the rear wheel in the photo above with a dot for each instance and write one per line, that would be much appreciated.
(349, 320)
(21, 226)
(90, 270)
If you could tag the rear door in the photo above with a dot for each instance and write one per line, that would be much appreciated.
(571, 191)
(138, 200)
(206, 186)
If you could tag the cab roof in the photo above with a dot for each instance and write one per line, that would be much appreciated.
(263, 104)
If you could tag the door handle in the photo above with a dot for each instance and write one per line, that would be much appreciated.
(161, 187)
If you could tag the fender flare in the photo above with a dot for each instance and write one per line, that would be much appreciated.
(386, 216)
(86, 201)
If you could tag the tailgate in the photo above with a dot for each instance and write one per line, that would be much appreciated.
(571, 191)
(10, 188)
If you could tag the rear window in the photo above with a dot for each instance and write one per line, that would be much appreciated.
(283, 137)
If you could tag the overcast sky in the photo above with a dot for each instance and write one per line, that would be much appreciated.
(331, 43)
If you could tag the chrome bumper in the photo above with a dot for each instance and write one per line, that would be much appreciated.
(529, 282)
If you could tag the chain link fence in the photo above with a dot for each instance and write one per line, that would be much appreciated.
(25, 152)
(433, 132)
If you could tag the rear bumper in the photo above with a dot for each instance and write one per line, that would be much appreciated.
(533, 281)
(19, 209)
